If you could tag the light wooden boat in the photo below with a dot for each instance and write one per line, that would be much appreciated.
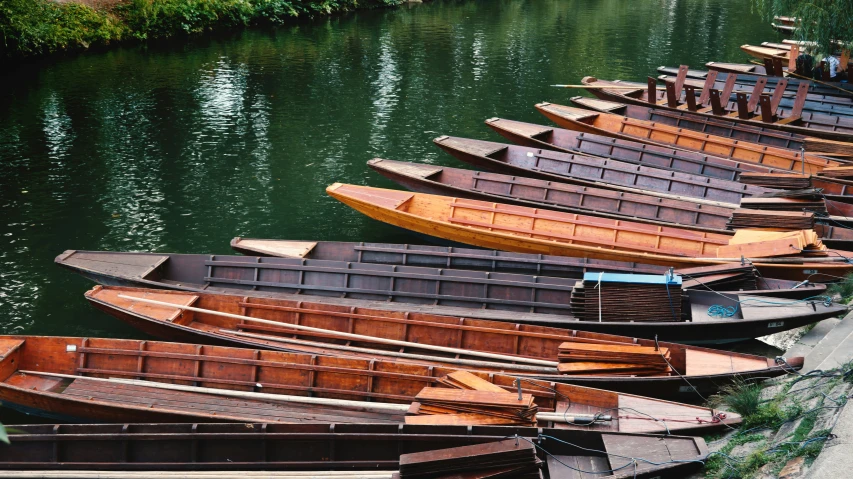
(113, 380)
(269, 450)
(529, 230)
(434, 340)
(642, 208)
(660, 134)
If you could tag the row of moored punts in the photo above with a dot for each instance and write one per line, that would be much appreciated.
(592, 262)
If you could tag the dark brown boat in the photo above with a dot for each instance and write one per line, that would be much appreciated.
(536, 300)
(639, 207)
(447, 257)
(537, 159)
(795, 121)
(824, 102)
(113, 380)
(506, 262)
(749, 73)
(621, 149)
(442, 180)
(235, 448)
(425, 339)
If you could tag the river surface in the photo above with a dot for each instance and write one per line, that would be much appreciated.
(180, 147)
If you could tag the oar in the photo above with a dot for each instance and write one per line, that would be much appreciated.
(196, 474)
(616, 87)
(363, 406)
(395, 354)
(360, 337)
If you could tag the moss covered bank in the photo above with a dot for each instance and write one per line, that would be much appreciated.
(39, 27)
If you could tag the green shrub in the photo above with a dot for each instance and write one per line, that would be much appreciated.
(37, 27)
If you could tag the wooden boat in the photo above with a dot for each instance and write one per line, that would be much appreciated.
(784, 24)
(748, 74)
(795, 120)
(564, 197)
(238, 448)
(664, 135)
(642, 208)
(769, 50)
(537, 159)
(830, 102)
(628, 151)
(716, 126)
(528, 230)
(435, 340)
(505, 262)
(112, 380)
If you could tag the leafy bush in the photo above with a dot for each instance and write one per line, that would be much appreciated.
(38, 27)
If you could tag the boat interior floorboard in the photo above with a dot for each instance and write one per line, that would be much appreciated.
(201, 403)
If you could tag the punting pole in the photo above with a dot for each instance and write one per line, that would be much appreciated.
(395, 354)
(600, 87)
(352, 405)
(394, 342)
(197, 474)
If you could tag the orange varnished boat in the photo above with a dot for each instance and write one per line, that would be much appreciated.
(532, 230)
(517, 349)
(87, 379)
(654, 133)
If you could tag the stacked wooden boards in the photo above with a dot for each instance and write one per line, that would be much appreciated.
(507, 458)
(613, 359)
(607, 297)
(472, 400)
(786, 220)
(768, 243)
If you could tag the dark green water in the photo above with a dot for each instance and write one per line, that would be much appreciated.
(180, 148)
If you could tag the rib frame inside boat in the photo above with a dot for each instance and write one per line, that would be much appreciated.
(563, 197)
(618, 126)
(254, 370)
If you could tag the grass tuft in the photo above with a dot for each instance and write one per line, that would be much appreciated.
(741, 396)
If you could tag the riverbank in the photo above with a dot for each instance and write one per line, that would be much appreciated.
(33, 28)
(793, 425)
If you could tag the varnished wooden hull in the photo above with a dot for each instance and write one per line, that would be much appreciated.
(315, 447)
(541, 159)
(706, 369)
(385, 210)
(664, 135)
(809, 124)
(28, 382)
